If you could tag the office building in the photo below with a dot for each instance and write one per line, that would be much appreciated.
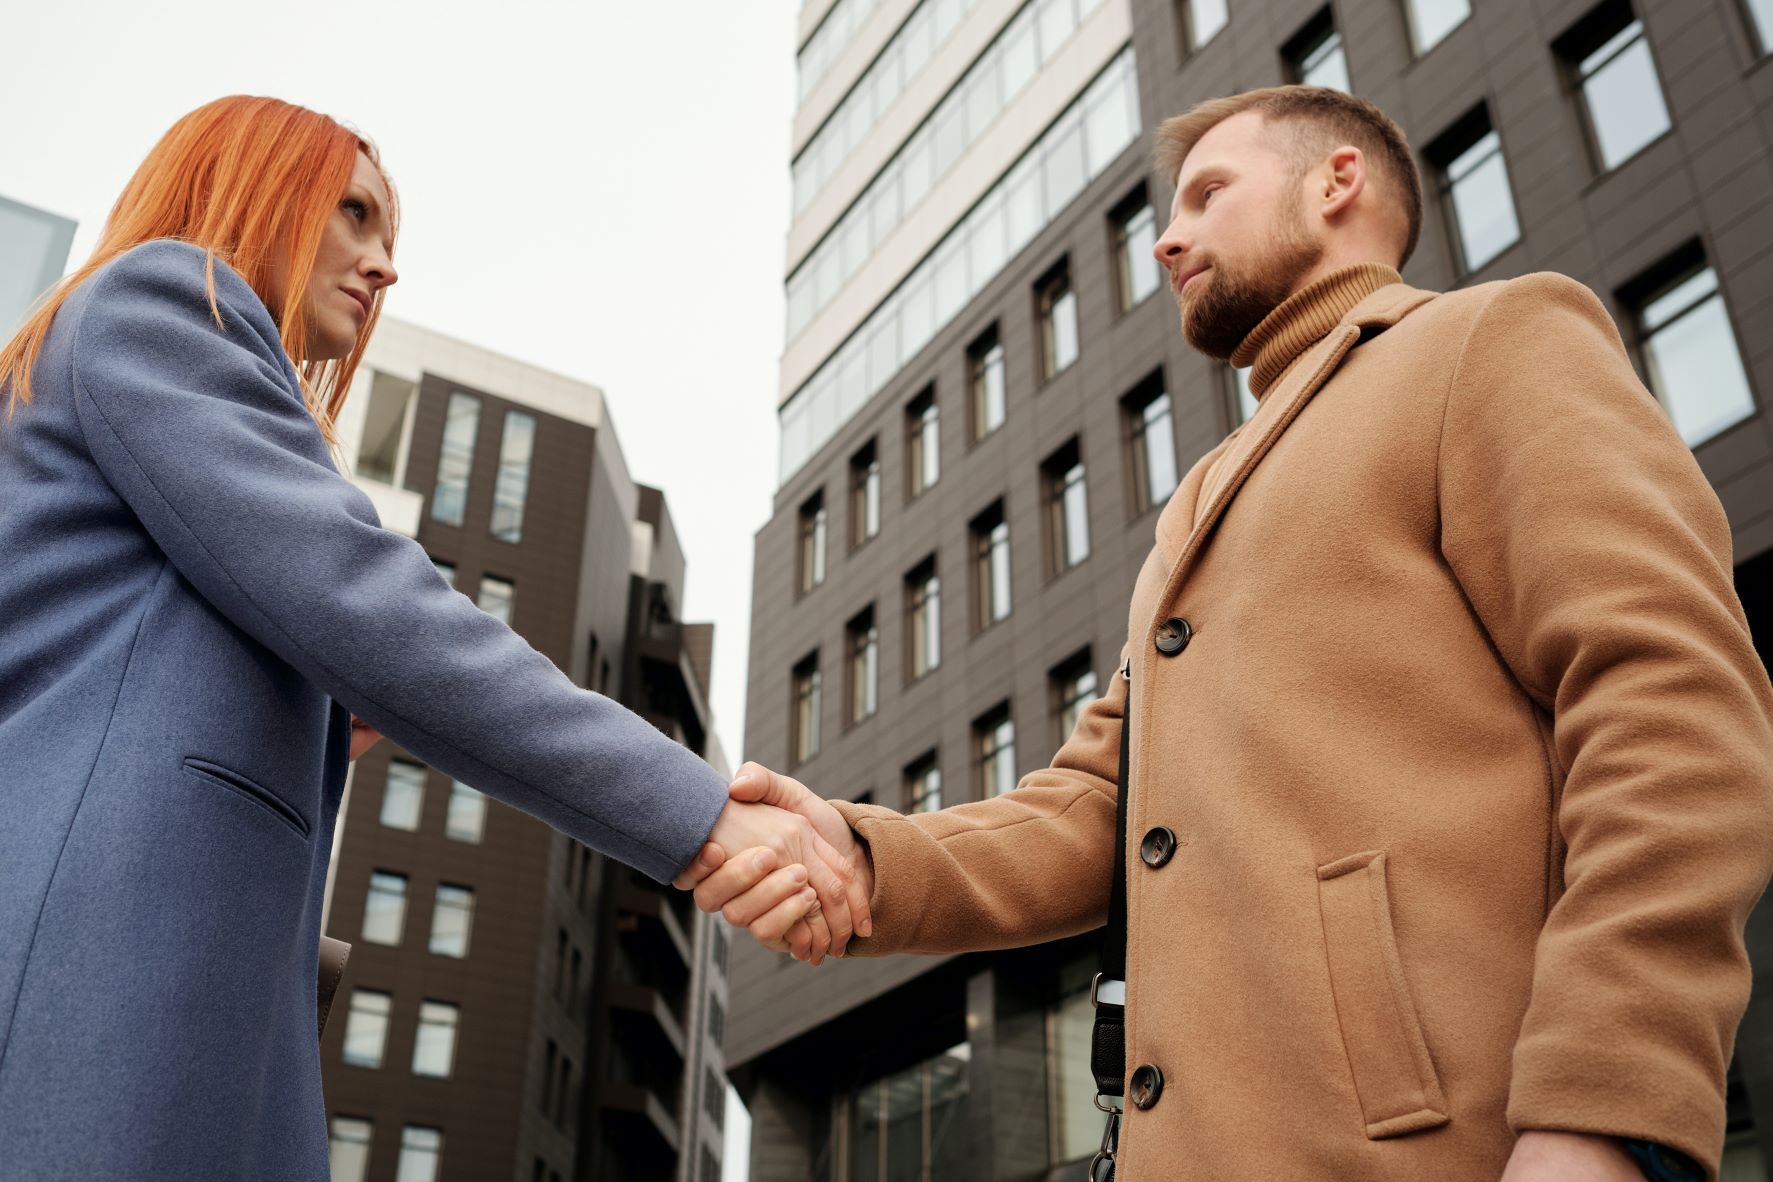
(34, 246)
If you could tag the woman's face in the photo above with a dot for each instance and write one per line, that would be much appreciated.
(352, 265)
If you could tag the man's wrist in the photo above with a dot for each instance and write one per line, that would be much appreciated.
(1660, 1163)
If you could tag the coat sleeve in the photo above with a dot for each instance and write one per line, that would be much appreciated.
(1031, 865)
(200, 429)
(1598, 559)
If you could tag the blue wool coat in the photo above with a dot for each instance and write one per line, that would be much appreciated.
(192, 602)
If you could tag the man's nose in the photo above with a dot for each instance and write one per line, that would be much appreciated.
(1171, 246)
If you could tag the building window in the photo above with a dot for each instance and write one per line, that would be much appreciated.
(387, 424)
(572, 983)
(1151, 444)
(1135, 238)
(923, 613)
(563, 1092)
(384, 911)
(994, 746)
(710, 1166)
(1074, 687)
(1068, 513)
(451, 917)
(1314, 56)
(923, 446)
(1241, 401)
(467, 814)
(864, 494)
(1056, 307)
(806, 709)
(1200, 22)
(496, 596)
(1431, 20)
(1760, 15)
(714, 1097)
(991, 567)
(348, 1149)
(716, 1022)
(1474, 189)
(1074, 1126)
(721, 948)
(549, 1064)
(445, 571)
(923, 784)
(560, 945)
(1689, 351)
(812, 542)
(913, 1124)
(862, 649)
(985, 367)
(511, 488)
(421, 1150)
(402, 795)
(456, 461)
(434, 1049)
(1609, 58)
(366, 1028)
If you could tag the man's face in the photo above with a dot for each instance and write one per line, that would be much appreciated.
(1238, 242)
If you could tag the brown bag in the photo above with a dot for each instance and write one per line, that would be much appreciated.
(333, 955)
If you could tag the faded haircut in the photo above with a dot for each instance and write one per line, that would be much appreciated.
(1320, 120)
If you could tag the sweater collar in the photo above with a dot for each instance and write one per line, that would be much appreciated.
(1305, 318)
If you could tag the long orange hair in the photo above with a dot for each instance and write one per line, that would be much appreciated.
(252, 181)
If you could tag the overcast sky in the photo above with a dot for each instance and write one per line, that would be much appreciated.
(597, 187)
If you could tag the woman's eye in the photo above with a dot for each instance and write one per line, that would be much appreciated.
(355, 208)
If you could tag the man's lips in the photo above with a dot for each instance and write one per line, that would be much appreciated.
(1182, 278)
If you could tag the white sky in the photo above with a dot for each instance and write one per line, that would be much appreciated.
(598, 187)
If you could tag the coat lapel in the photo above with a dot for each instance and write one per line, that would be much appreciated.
(1280, 406)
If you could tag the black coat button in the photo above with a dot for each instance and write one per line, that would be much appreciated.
(1173, 636)
(1157, 848)
(1148, 1085)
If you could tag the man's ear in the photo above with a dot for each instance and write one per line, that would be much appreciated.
(1344, 177)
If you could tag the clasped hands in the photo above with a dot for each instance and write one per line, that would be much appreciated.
(784, 864)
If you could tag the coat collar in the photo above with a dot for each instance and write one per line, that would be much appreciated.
(1212, 486)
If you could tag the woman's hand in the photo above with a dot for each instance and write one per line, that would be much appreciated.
(363, 736)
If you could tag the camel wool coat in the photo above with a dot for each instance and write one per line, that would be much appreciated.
(1466, 752)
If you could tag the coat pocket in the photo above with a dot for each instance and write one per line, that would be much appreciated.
(1394, 1077)
(215, 773)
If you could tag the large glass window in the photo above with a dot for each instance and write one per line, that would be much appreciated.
(806, 709)
(1068, 513)
(1760, 15)
(864, 494)
(994, 750)
(1151, 444)
(923, 443)
(923, 784)
(863, 655)
(403, 795)
(451, 917)
(348, 1149)
(434, 1050)
(467, 814)
(511, 488)
(366, 1027)
(1082, 142)
(912, 1124)
(1617, 79)
(829, 40)
(812, 542)
(1200, 21)
(985, 364)
(1315, 57)
(445, 571)
(1135, 237)
(421, 1151)
(384, 910)
(1243, 401)
(923, 611)
(497, 597)
(1057, 304)
(991, 567)
(461, 423)
(1431, 20)
(1474, 189)
(1074, 687)
(1690, 353)
(1073, 1123)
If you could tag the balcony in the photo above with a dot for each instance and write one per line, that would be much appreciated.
(399, 508)
(638, 1122)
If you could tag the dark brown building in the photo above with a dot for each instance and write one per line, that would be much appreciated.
(516, 1005)
(985, 398)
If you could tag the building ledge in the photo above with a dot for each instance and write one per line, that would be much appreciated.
(632, 1100)
(398, 508)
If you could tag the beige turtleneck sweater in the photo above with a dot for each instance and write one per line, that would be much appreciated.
(1305, 318)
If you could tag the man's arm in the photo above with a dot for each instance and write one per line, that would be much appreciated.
(1597, 558)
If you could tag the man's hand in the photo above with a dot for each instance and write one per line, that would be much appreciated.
(749, 891)
(807, 923)
(1569, 1157)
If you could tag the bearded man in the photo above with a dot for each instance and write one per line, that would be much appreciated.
(1449, 774)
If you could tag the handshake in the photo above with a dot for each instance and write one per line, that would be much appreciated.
(784, 864)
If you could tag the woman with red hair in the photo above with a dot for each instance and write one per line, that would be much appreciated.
(196, 604)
